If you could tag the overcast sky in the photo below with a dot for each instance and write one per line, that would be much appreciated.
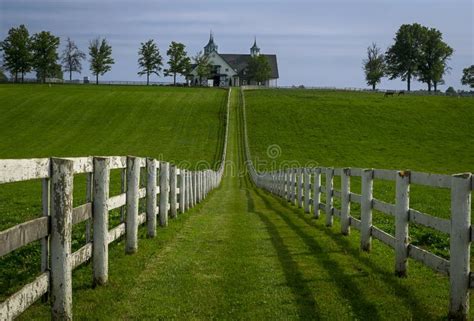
(317, 43)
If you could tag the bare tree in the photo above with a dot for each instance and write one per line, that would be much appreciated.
(71, 58)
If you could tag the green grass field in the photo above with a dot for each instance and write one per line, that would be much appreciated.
(181, 125)
(351, 129)
(365, 130)
(245, 255)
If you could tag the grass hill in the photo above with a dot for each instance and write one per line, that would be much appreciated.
(181, 125)
(353, 129)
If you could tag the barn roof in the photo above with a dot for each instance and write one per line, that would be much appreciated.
(240, 61)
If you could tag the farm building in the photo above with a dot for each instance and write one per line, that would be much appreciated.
(231, 69)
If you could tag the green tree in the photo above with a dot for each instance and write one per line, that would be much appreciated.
(71, 58)
(435, 54)
(17, 52)
(403, 57)
(374, 65)
(149, 60)
(178, 60)
(259, 69)
(468, 76)
(101, 60)
(44, 46)
(203, 67)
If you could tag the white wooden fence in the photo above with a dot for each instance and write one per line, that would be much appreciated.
(302, 187)
(169, 190)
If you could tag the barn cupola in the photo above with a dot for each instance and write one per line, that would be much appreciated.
(211, 46)
(255, 50)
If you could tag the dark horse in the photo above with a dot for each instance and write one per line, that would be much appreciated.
(389, 93)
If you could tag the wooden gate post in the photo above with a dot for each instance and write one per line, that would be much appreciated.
(402, 207)
(173, 199)
(151, 197)
(460, 246)
(60, 241)
(345, 200)
(133, 185)
(366, 210)
(100, 220)
(164, 193)
(316, 191)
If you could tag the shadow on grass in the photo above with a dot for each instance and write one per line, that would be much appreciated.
(347, 288)
(305, 300)
(401, 291)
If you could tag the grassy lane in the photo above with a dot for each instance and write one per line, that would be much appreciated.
(245, 255)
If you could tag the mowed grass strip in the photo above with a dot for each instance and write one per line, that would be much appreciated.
(181, 125)
(245, 255)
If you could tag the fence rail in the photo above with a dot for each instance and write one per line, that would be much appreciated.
(169, 191)
(303, 186)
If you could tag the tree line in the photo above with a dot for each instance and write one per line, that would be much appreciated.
(23, 53)
(418, 53)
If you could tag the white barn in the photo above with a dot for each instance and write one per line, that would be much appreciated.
(231, 69)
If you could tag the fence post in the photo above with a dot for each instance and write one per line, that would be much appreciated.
(188, 190)
(287, 184)
(123, 189)
(164, 193)
(182, 190)
(293, 186)
(460, 246)
(89, 198)
(306, 183)
(61, 227)
(173, 200)
(366, 209)
(133, 184)
(201, 186)
(345, 200)
(198, 187)
(100, 219)
(194, 188)
(45, 190)
(402, 207)
(316, 191)
(281, 184)
(329, 196)
(151, 197)
(299, 187)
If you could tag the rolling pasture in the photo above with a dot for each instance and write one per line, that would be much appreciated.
(183, 126)
(351, 129)
(244, 254)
